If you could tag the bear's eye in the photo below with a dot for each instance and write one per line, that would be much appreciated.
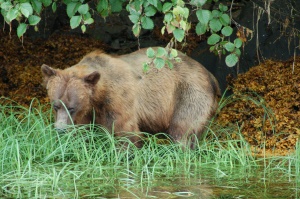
(71, 110)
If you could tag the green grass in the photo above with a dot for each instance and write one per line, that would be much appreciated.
(88, 162)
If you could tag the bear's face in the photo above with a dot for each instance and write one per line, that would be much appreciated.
(69, 95)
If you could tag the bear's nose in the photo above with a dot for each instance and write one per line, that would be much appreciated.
(60, 127)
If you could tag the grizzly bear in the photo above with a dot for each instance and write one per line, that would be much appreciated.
(115, 92)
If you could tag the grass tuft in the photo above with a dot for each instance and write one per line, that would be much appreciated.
(88, 161)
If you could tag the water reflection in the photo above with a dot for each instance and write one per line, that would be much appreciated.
(174, 188)
(231, 186)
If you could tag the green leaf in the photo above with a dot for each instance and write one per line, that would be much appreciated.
(150, 53)
(67, 1)
(37, 6)
(166, 7)
(170, 64)
(33, 20)
(200, 28)
(145, 4)
(150, 11)
(178, 2)
(174, 53)
(238, 42)
(12, 14)
(147, 23)
(159, 6)
(4, 14)
(135, 6)
(186, 13)
(163, 30)
(161, 52)
(102, 5)
(104, 13)
(6, 5)
(215, 25)
(89, 21)
(159, 62)
(168, 17)
(136, 29)
(26, 9)
(83, 28)
(229, 47)
(153, 2)
(183, 25)
(203, 16)
(46, 3)
(223, 51)
(54, 7)
(213, 39)
(237, 51)
(227, 31)
(134, 18)
(116, 5)
(225, 19)
(231, 60)
(87, 16)
(146, 67)
(178, 34)
(72, 8)
(222, 7)
(216, 13)
(198, 3)
(75, 21)
(178, 10)
(83, 9)
(222, 43)
(21, 29)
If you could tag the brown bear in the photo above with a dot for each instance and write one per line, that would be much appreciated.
(115, 92)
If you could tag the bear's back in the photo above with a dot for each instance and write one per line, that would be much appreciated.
(128, 69)
(187, 70)
(161, 91)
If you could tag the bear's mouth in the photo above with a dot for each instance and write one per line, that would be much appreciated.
(61, 131)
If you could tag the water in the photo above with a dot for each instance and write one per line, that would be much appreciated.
(207, 185)
(206, 189)
(110, 182)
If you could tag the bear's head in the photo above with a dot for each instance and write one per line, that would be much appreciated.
(70, 93)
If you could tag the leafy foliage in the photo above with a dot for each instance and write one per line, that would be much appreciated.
(162, 57)
(176, 19)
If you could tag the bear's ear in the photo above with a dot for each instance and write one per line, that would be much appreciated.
(92, 78)
(47, 71)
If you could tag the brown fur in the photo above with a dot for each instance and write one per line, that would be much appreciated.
(114, 89)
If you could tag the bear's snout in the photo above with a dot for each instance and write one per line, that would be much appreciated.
(63, 119)
(60, 130)
(60, 127)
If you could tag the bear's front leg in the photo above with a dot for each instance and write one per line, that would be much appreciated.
(127, 127)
